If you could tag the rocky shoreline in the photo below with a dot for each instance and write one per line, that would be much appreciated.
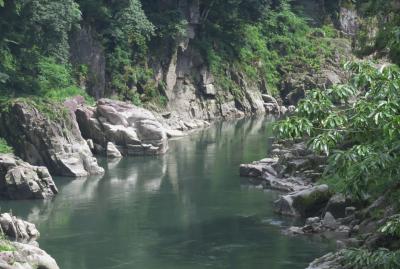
(63, 140)
(294, 170)
(23, 252)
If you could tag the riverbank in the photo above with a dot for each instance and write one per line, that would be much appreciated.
(295, 171)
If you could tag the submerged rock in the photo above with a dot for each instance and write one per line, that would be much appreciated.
(20, 180)
(133, 130)
(304, 203)
(50, 140)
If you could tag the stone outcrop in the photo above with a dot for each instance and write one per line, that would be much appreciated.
(20, 180)
(87, 50)
(17, 229)
(133, 130)
(23, 252)
(304, 203)
(49, 137)
(292, 167)
(348, 21)
(329, 261)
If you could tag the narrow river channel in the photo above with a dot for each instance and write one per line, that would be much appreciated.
(188, 209)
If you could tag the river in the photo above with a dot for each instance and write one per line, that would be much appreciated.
(188, 209)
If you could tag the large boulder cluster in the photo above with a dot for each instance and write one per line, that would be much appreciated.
(115, 125)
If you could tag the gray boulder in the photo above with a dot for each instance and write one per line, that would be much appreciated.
(25, 256)
(329, 261)
(48, 137)
(337, 205)
(329, 221)
(304, 203)
(112, 151)
(133, 130)
(20, 180)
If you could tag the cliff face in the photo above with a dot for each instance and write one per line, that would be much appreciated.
(190, 87)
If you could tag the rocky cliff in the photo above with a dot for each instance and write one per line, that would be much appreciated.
(50, 138)
(188, 84)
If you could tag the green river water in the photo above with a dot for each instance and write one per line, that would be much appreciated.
(188, 209)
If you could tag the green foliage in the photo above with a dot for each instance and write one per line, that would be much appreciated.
(379, 259)
(5, 247)
(385, 39)
(263, 48)
(4, 147)
(392, 226)
(356, 125)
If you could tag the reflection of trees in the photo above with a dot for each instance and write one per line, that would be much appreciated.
(181, 210)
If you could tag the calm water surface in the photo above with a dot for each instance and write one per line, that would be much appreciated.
(188, 209)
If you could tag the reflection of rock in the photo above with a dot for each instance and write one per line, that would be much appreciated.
(20, 180)
(134, 130)
(113, 163)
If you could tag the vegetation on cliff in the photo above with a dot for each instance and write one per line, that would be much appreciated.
(258, 39)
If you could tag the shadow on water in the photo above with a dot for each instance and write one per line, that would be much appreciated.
(186, 209)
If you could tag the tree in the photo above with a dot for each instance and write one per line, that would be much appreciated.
(356, 125)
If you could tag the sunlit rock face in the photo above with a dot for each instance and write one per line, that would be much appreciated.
(20, 180)
(48, 137)
(133, 130)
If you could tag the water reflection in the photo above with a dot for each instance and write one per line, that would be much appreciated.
(186, 209)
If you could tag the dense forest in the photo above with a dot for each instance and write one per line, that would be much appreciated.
(52, 50)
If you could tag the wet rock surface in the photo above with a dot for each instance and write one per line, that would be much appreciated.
(20, 180)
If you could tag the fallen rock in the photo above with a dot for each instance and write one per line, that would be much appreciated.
(112, 151)
(44, 139)
(329, 221)
(20, 180)
(133, 130)
(304, 203)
